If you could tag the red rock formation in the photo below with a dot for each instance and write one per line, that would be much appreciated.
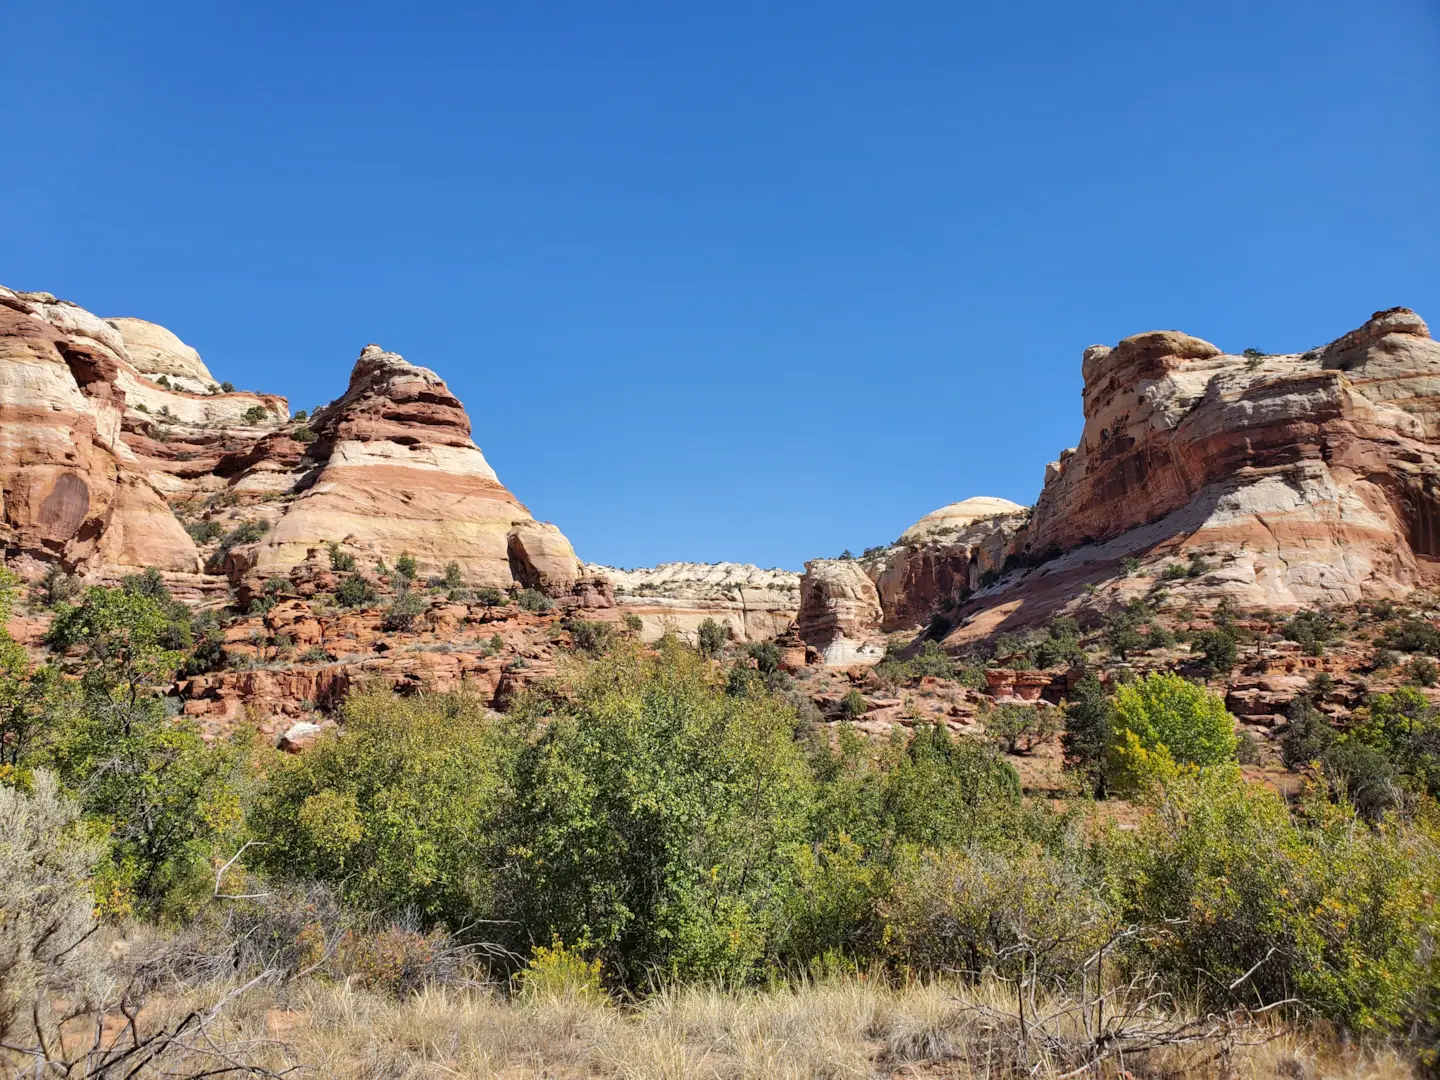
(109, 424)
(398, 472)
(839, 612)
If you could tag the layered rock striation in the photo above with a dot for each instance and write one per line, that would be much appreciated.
(756, 604)
(840, 613)
(119, 451)
(1285, 480)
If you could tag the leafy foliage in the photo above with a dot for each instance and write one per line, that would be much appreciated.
(711, 637)
(1163, 720)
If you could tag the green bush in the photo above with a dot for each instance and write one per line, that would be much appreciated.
(407, 606)
(853, 705)
(402, 813)
(533, 600)
(589, 636)
(1313, 630)
(406, 568)
(656, 818)
(57, 587)
(1411, 636)
(227, 387)
(1218, 647)
(356, 591)
(1022, 913)
(340, 559)
(1283, 907)
(489, 596)
(1422, 671)
(1089, 720)
(246, 532)
(1163, 720)
(303, 434)
(202, 532)
(1308, 736)
(1173, 572)
(1020, 728)
(454, 577)
(711, 637)
(256, 414)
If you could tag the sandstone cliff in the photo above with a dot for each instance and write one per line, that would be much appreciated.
(757, 604)
(1285, 480)
(1276, 481)
(119, 451)
(840, 612)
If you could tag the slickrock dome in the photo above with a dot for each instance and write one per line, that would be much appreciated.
(957, 516)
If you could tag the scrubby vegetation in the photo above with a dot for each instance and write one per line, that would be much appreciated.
(660, 827)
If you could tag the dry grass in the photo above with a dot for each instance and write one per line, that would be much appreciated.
(841, 1029)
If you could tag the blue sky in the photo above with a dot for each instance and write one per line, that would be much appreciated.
(751, 281)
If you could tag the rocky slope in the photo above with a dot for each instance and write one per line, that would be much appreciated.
(120, 451)
(1279, 481)
(757, 604)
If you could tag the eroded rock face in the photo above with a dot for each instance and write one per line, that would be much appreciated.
(394, 470)
(1285, 480)
(757, 604)
(840, 612)
(1318, 465)
(944, 557)
(113, 430)
(72, 489)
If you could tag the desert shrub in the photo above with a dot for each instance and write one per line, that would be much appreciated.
(632, 623)
(1411, 635)
(340, 559)
(1217, 645)
(589, 636)
(160, 796)
(1020, 728)
(832, 900)
(356, 591)
(1308, 736)
(406, 568)
(533, 600)
(1087, 732)
(453, 577)
(300, 416)
(401, 813)
(1362, 776)
(853, 705)
(1421, 671)
(1129, 566)
(407, 606)
(1123, 633)
(934, 789)
(1405, 729)
(1312, 630)
(766, 655)
(57, 587)
(655, 816)
(556, 971)
(711, 637)
(47, 905)
(929, 660)
(303, 434)
(1312, 908)
(227, 387)
(1025, 912)
(489, 596)
(202, 532)
(1163, 720)
(246, 532)
(256, 414)
(1173, 572)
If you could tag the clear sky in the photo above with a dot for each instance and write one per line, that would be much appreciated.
(727, 280)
